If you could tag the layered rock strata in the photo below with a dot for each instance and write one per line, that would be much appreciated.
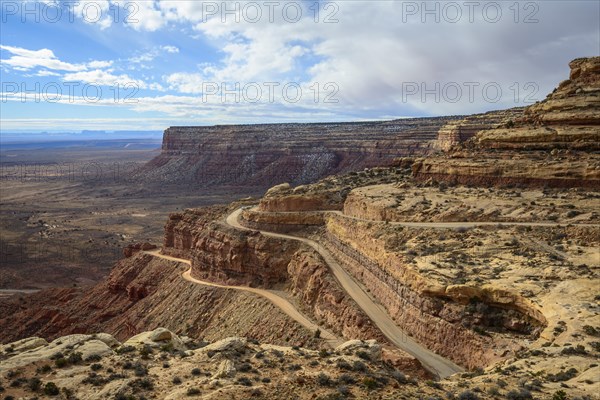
(552, 143)
(265, 155)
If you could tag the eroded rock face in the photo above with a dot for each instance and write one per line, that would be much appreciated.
(460, 131)
(556, 140)
(221, 253)
(132, 249)
(318, 291)
(429, 311)
(86, 345)
(266, 155)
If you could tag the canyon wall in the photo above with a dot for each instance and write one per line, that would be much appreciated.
(430, 312)
(265, 155)
(553, 143)
(460, 131)
(223, 254)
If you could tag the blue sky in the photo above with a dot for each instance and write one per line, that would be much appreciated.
(169, 60)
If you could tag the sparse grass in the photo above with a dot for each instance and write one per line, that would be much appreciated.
(521, 394)
(370, 383)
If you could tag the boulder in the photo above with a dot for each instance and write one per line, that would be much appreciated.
(38, 351)
(156, 338)
(109, 340)
(371, 347)
(93, 348)
(228, 344)
(225, 370)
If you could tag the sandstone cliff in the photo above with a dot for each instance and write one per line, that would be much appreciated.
(553, 143)
(265, 155)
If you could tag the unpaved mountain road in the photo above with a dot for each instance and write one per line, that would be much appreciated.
(430, 360)
(270, 295)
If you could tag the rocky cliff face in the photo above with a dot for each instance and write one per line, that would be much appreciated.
(457, 132)
(552, 143)
(321, 296)
(266, 155)
(223, 254)
(430, 312)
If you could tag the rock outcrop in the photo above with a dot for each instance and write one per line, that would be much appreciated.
(229, 368)
(552, 143)
(261, 156)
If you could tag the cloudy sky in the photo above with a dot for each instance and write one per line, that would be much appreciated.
(107, 64)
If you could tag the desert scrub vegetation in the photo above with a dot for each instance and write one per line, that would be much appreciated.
(562, 375)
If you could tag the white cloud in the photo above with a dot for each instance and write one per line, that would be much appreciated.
(104, 78)
(170, 49)
(150, 55)
(99, 64)
(144, 16)
(24, 59)
(45, 72)
(185, 83)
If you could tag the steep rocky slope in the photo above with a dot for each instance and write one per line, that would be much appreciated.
(552, 143)
(223, 254)
(510, 296)
(265, 155)
(142, 293)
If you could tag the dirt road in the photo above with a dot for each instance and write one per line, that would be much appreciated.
(270, 295)
(433, 362)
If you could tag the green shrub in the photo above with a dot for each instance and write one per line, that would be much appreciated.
(93, 358)
(61, 362)
(125, 349)
(562, 375)
(94, 379)
(74, 358)
(370, 383)
(347, 379)
(51, 389)
(323, 379)
(142, 383)
(34, 384)
(245, 367)
(522, 394)
(344, 390)
(96, 367)
(343, 364)
(468, 395)
(244, 381)
(359, 366)
(559, 395)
